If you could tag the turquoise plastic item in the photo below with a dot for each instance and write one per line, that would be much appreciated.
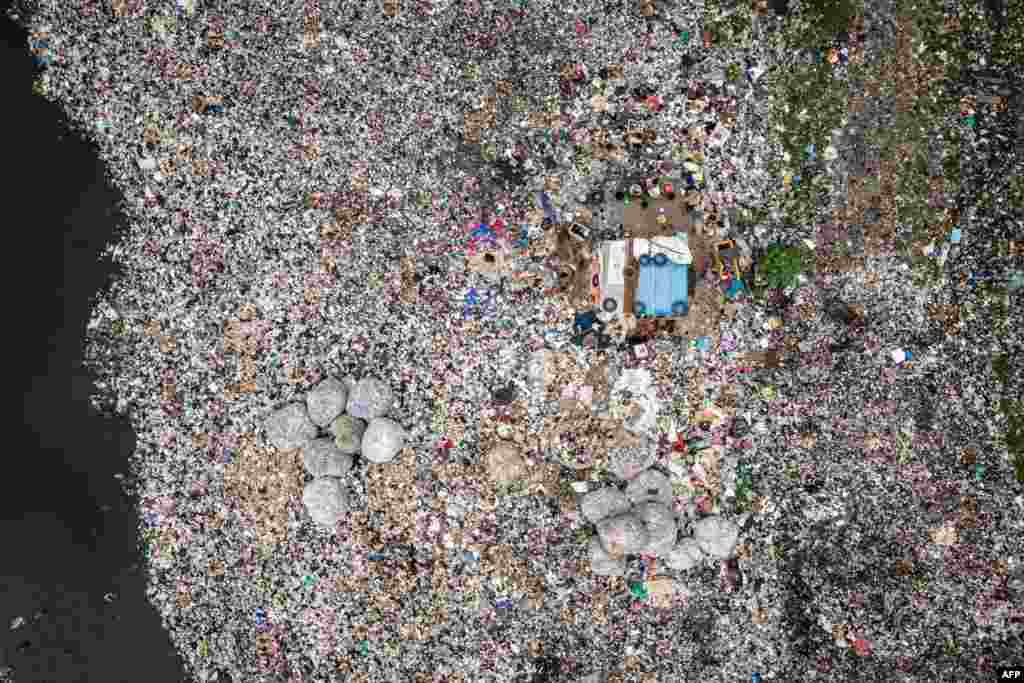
(646, 289)
(662, 289)
(680, 291)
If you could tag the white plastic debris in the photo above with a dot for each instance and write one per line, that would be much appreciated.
(370, 398)
(325, 501)
(382, 440)
(326, 401)
(898, 355)
(290, 427)
(685, 555)
(716, 536)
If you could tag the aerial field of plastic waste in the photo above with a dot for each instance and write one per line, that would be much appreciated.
(587, 342)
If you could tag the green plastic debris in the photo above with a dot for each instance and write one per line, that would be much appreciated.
(684, 38)
(364, 647)
(308, 581)
(639, 590)
(971, 121)
(979, 472)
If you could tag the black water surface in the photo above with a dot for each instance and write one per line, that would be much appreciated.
(67, 530)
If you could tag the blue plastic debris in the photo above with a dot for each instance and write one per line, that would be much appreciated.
(471, 297)
(811, 151)
(984, 276)
(755, 677)
(549, 210)
(955, 235)
(555, 338)
(796, 180)
(261, 616)
(696, 445)
(735, 289)
(376, 556)
(503, 603)
(483, 230)
(704, 343)
(584, 321)
(43, 56)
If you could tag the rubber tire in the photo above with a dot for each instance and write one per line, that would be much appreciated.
(609, 305)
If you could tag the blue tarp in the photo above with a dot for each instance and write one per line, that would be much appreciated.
(662, 288)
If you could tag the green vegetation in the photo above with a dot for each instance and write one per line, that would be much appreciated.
(1013, 411)
(781, 265)
(744, 487)
(816, 102)
(926, 270)
(734, 30)
(813, 103)
(1015, 191)
(1008, 44)
(827, 20)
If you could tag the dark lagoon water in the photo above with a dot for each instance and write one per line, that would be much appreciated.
(67, 527)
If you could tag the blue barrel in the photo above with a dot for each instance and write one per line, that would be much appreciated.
(680, 288)
(662, 299)
(645, 290)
